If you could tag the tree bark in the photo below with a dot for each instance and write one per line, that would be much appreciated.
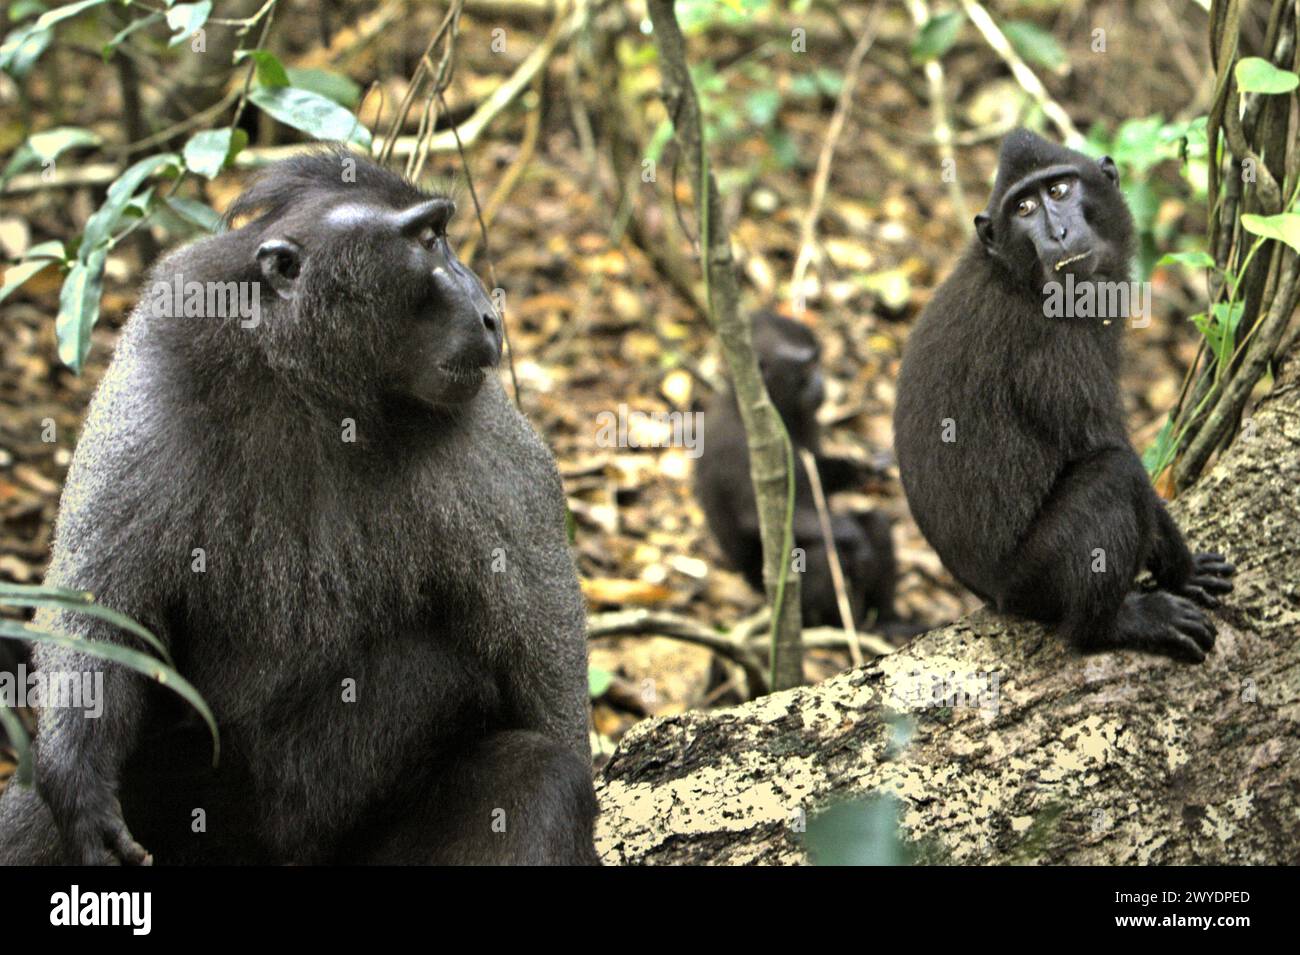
(1117, 758)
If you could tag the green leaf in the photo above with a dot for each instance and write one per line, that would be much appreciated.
(1255, 75)
(132, 659)
(1161, 451)
(111, 46)
(210, 151)
(828, 81)
(270, 71)
(78, 601)
(936, 37)
(1193, 260)
(1141, 143)
(860, 832)
(804, 86)
(47, 145)
(54, 142)
(16, 275)
(186, 19)
(100, 226)
(762, 106)
(311, 113)
(139, 205)
(22, 48)
(1228, 314)
(1285, 227)
(195, 213)
(598, 681)
(1034, 44)
(1143, 203)
(1208, 329)
(206, 152)
(40, 590)
(892, 286)
(47, 250)
(79, 307)
(334, 86)
(13, 728)
(22, 9)
(59, 14)
(1220, 329)
(1191, 132)
(784, 149)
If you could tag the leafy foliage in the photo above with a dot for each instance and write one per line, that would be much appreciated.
(159, 668)
(315, 102)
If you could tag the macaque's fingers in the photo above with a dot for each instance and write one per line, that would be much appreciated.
(1208, 563)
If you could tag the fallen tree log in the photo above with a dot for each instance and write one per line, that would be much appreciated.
(1028, 752)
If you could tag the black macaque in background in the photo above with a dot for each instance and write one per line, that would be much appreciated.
(789, 356)
(1009, 430)
(420, 563)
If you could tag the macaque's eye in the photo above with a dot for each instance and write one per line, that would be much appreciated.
(1026, 207)
(429, 237)
(1059, 190)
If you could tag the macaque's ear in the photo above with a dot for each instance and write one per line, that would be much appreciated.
(984, 229)
(1109, 168)
(280, 261)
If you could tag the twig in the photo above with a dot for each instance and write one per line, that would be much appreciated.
(807, 233)
(832, 555)
(532, 126)
(492, 269)
(832, 638)
(198, 119)
(632, 623)
(943, 135)
(1022, 73)
(1194, 74)
(962, 140)
(255, 157)
(347, 42)
(470, 130)
(1237, 389)
(771, 461)
(269, 10)
(64, 177)
(446, 29)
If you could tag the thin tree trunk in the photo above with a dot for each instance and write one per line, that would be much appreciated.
(770, 458)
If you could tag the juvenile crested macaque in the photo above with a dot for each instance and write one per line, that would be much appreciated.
(1009, 429)
(790, 359)
(353, 545)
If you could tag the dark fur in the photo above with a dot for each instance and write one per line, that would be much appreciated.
(1041, 471)
(726, 495)
(326, 561)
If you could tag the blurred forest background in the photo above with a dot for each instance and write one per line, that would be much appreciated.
(828, 125)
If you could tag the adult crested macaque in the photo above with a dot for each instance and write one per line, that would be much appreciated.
(353, 545)
(1009, 429)
(790, 359)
